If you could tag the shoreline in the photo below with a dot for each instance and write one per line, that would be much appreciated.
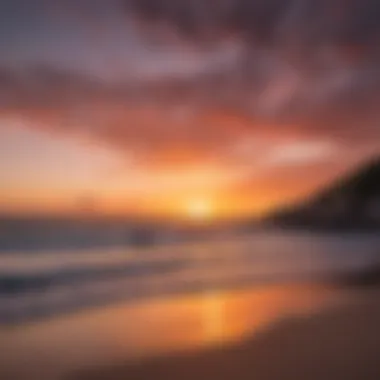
(186, 332)
(339, 341)
(102, 337)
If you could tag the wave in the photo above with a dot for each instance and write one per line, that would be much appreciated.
(41, 284)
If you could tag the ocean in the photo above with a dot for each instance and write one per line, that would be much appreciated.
(40, 283)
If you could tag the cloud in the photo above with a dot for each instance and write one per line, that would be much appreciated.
(301, 153)
(176, 122)
(294, 50)
(209, 20)
(201, 75)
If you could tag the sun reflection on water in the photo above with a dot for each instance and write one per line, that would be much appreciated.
(155, 327)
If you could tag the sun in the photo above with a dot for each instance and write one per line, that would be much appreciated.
(199, 209)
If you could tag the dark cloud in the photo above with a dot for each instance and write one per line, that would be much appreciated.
(313, 21)
(306, 67)
(313, 35)
(197, 19)
(316, 58)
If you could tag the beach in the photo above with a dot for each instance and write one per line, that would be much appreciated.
(267, 305)
(338, 342)
(190, 190)
(282, 331)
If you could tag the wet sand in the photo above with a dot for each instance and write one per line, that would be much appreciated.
(209, 335)
(340, 342)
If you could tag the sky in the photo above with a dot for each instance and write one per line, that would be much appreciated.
(149, 106)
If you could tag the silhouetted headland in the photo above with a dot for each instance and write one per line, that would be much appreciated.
(350, 203)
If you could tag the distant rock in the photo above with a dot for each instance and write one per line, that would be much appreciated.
(352, 202)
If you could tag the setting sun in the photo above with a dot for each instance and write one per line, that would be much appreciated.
(199, 209)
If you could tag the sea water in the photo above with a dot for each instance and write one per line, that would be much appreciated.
(39, 283)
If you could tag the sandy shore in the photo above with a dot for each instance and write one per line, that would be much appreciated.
(302, 331)
(336, 340)
(342, 342)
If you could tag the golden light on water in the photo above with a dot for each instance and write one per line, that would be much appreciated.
(156, 327)
(213, 316)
